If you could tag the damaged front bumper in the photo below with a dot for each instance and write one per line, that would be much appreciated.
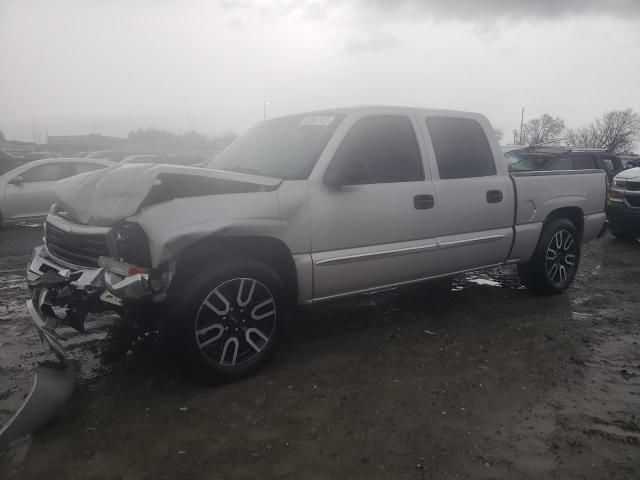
(78, 291)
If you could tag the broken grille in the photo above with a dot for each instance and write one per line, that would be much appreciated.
(77, 249)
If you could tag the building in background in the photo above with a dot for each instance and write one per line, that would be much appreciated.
(72, 144)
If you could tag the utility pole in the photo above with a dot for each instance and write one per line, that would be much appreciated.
(188, 105)
(264, 112)
(521, 125)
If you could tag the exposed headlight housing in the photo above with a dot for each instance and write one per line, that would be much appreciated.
(121, 268)
(128, 242)
(616, 195)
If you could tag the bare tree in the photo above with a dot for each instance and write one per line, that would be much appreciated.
(499, 133)
(543, 130)
(616, 131)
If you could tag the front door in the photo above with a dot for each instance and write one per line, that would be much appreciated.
(378, 228)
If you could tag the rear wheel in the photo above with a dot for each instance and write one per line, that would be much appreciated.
(226, 321)
(555, 261)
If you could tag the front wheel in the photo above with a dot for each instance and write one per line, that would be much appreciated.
(555, 261)
(226, 321)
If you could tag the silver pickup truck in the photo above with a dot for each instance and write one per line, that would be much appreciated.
(299, 210)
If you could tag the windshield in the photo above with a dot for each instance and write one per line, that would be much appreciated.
(286, 148)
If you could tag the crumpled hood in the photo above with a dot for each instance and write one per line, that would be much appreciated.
(106, 196)
(631, 174)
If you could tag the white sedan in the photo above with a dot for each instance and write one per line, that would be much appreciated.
(26, 192)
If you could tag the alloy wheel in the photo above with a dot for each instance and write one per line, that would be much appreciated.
(561, 257)
(235, 322)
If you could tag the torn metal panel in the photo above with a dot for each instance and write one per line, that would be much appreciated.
(51, 390)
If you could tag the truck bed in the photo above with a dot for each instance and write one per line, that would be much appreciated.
(539, 193)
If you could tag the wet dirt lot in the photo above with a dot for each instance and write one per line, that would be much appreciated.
(473, 378)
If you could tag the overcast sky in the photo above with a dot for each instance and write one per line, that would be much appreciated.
(77, 66)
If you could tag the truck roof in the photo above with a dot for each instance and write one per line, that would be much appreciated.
(552, 150)
(354, 108)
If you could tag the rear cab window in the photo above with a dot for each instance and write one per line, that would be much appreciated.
(461, 148)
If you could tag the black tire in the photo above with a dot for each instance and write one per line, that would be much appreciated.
(202, 329)
(553, 266)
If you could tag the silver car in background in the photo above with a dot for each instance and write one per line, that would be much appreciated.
(26, 192)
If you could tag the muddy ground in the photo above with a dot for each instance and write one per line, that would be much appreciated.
(474, 378)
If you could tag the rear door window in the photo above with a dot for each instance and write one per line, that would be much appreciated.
(461, 148)
(584, 162)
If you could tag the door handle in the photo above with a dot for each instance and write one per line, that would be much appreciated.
(494, 196)
(423, 202)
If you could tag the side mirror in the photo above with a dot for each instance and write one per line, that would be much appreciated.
(17, 181)
(347, 171)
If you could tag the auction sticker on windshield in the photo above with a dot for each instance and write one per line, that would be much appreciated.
(318, 120)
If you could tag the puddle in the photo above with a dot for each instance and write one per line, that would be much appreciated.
(582, 316)
(484, 281)
(502, 277)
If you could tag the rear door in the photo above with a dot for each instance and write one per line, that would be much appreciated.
(475, 195)
(378, 230)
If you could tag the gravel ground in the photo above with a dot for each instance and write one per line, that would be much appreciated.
(473, 378)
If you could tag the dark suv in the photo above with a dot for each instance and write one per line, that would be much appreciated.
(563, 158)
